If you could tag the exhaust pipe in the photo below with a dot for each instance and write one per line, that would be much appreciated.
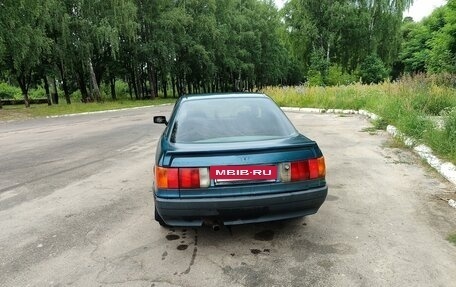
(215, 227)
(214, 223)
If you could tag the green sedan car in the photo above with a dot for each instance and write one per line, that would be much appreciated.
(226, 159)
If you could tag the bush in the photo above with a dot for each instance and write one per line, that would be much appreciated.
(318, 70)
(38, 93)
(9, 92)
(373, 70)
(121, 90)
(315, 79)
(336, 76)
(75, 96)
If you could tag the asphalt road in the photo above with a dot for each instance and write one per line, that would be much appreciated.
(76, 209)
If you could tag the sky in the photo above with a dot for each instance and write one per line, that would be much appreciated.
(423, 8)
(420, 8)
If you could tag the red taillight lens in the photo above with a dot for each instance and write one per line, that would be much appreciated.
(189, 178)
(299, 170)
(304, 170)
(313, 168)
(175, 178)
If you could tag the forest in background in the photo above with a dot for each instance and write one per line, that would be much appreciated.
(90, 50)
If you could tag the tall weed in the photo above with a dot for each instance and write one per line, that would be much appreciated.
(450, 126)
(407, 104)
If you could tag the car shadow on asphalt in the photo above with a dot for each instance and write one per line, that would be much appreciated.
(269, 232)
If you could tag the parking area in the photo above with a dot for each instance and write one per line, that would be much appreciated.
(76, 208)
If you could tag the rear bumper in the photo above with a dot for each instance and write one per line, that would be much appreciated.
(241, 209)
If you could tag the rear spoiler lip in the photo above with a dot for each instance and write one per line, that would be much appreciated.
(292, 142)
(248, 148)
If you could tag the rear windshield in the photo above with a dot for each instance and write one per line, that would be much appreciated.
(229, 120)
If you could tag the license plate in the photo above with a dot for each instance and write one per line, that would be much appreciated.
(243, 172)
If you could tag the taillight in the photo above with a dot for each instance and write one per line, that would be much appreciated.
(313, 168)
(189, 178)
(299, 170)
(302, 170)
(175, 178)
(321, 167)
(166, 177)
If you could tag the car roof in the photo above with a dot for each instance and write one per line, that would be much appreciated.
(222, 96)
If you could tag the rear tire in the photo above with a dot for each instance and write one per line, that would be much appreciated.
(159, 219)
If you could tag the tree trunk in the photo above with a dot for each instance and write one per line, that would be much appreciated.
(64, 83)
(134, 83)
(327, 52)
(173, 83)
(112, 82)
(145, 95)
(178, 87)
(23, 81)
(217, 84)
(99, 70)
(140, 86)
(26, 97)
(96, 91)
(55, 93)
(181, 87)
(165, 87)
(66, 92)
(48, 93)
(156, 83)
(152, 81)
(189, 86)
(130, 89)
(82, 84)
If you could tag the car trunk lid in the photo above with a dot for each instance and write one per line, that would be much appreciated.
(242, 153)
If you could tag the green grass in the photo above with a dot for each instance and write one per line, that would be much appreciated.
(452, 238)
(406, 104)
(370, 130)
(20, 112)
(394, 143)
(380, 124)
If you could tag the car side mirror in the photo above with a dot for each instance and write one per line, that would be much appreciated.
(160, 120)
